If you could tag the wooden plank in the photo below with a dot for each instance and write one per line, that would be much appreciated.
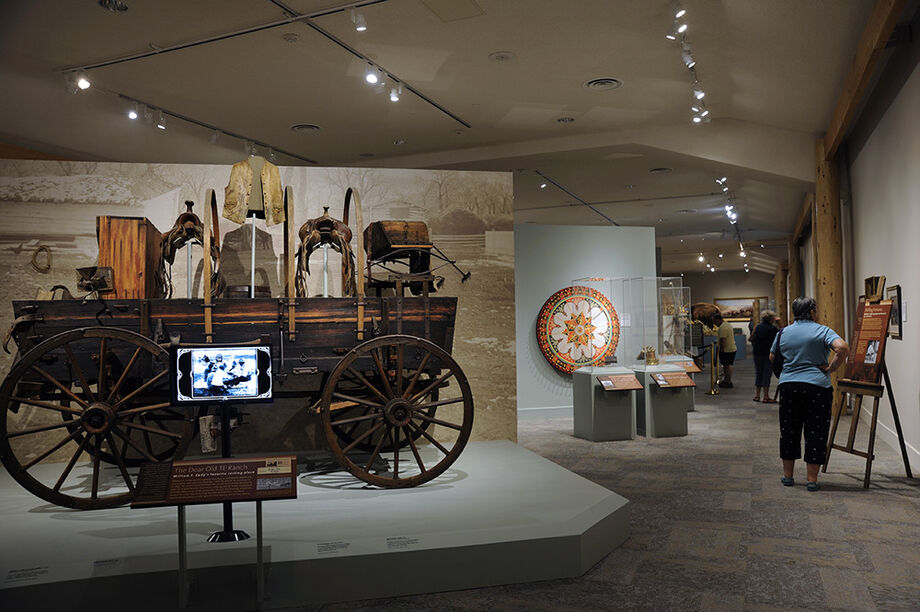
(827, 242)
(873, 41)
(131, 247)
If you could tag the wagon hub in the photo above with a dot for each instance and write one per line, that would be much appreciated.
(398, 411)
(97, 418)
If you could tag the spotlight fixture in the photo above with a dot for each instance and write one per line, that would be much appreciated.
(680, 13)
(248, 147)
(161, 120)
(671, 36)
(721, 255)
(372, 75)
(271, 155)
(698, 92)
(215, 136)
(743, 254)
(728, 208)
(697, 119)
(395, 93)
(688, 59)
(762, 246)
(132, 113)
(542, 185)
(82, 81)
(358, 20)
(724, 189)
(682, 28)
(701, 259)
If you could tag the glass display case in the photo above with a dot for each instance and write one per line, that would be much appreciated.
(674, 310)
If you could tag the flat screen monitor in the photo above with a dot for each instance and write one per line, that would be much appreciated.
(221, 373)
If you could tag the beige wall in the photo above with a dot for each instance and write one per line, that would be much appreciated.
(56, 203)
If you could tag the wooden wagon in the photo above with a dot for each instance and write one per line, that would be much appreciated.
(90, 383)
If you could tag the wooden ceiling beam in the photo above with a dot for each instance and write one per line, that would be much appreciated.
(873, 41)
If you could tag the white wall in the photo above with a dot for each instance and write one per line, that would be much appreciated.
(885, 177)
(548, 258)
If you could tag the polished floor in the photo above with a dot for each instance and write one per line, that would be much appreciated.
(713, 528)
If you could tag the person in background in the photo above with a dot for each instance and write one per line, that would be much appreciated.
(805, 389)
(761, 341)
(727, 349)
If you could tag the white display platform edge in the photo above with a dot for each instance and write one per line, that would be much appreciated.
(500, 515)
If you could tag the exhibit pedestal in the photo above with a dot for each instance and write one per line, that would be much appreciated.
(599, 414)
(680, 360)
(499, 515)
(661, 412)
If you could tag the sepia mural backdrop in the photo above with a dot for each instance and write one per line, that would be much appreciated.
(469, 214)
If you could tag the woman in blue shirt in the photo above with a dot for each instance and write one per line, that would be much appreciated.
(805, 389)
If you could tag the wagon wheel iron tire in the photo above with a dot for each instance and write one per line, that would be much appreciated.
(83, 411)
(399, 374)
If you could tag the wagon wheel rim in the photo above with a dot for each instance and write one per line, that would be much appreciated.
(78, 410)
(400, 409)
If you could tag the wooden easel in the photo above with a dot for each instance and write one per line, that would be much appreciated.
(874, 286)
(860, 389)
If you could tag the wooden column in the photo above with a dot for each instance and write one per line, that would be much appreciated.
(828, 243)
(779, 292)
(794, 277)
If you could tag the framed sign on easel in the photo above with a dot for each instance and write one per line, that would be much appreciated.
(865, 368)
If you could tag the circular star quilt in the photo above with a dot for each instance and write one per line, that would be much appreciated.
(577, 327)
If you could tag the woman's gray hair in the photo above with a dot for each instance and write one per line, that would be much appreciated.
(768, 316)
(803, 307)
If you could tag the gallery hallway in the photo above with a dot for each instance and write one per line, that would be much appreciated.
(713, 528)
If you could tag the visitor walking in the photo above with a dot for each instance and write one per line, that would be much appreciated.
(727, 349)
(761, 341)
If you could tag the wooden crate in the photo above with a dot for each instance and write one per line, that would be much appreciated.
(382, 237)
(131, 247)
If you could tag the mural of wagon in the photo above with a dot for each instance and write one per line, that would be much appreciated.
(89, 388)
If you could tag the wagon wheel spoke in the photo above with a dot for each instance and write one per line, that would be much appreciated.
(364, 436)
(145, 434)
(124, 374)
(418, 457)
(429, 438)
(383, 373)
(437, 383)
(131, 443)
(66, 390)
(354, 427)
(153, 430)
(434, 421)
(48, 405)
(156, 418)
(103, 366)
(357, 419)
(375, 454)
(70, 464)
(120, 461)
(95, 491)
(367, 383)
(38, 428)
(399, 369)
(80, 375)
(443, 402)
(357, 400)
(143, 387)
(143, 409)
(418, 372)
(48, 452)
(395, 430)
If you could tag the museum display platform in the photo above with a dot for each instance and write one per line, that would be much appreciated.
(501, 514)
(601, 415)
(661, 412)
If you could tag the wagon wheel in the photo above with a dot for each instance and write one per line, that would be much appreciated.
(353, 430)
(395, 377)
(119, 412)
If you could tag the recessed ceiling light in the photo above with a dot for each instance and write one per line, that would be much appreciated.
(565, 120)
(290, 37)
(305, 127)
(630, 186)
(501, 56)
(686, 211)
(365, 154)
(661, 170)
(399, 141)
(602, 84)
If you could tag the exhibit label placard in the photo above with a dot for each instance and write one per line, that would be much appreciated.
(688, 366)
(211, 481)
(673, 380)
(619, 382)
(864, 363)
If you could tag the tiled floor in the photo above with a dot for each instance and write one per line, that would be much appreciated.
(713, 529)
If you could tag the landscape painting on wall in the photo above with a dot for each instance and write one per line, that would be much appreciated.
(737, 309)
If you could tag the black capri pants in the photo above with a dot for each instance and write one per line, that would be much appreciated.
(803, 406)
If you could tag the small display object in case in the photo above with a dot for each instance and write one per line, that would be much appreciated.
(214, 373)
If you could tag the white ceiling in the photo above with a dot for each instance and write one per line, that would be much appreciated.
(772, 71)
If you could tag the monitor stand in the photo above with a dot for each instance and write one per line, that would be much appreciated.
(228, 533)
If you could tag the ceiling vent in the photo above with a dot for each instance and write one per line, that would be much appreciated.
(602, 84)
(659, 170)
(305, 127)
(116, 6)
